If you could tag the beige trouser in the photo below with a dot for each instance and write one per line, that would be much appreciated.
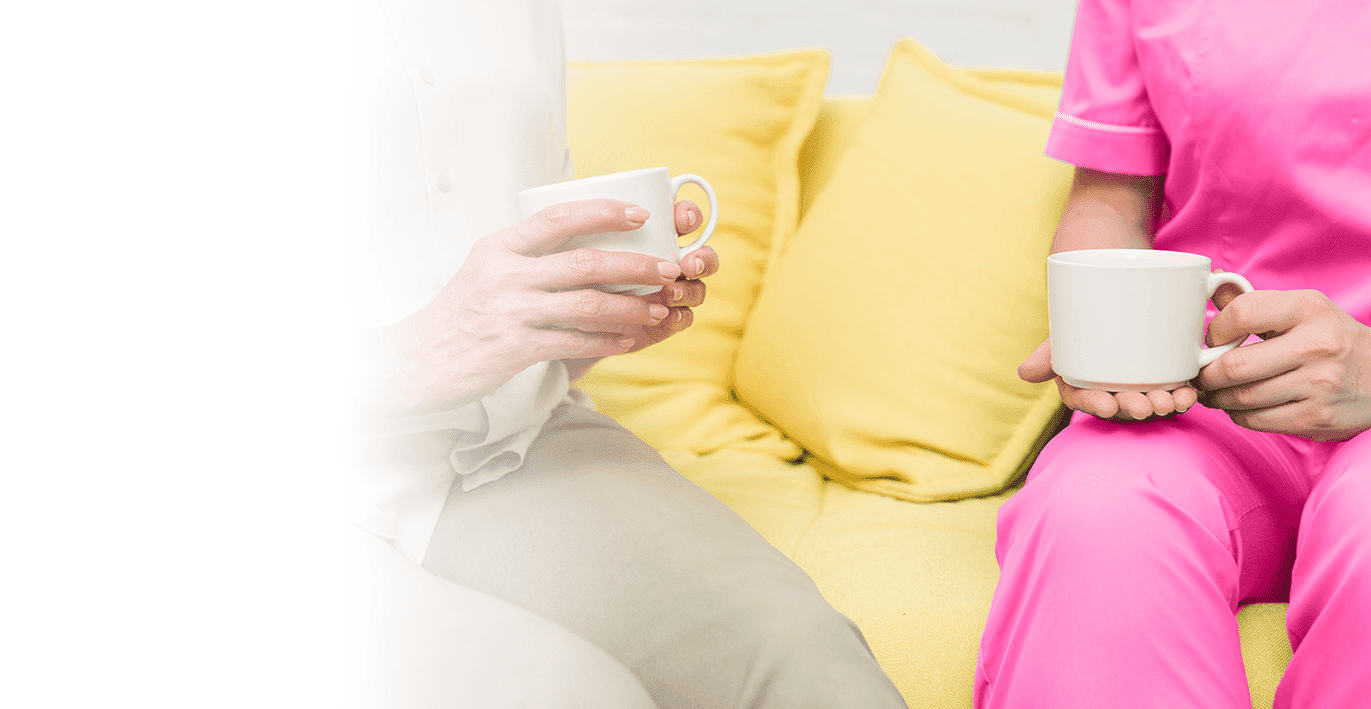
(597, 534)
(421, 642)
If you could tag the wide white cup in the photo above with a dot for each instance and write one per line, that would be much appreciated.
(1131, 319)
(652, 189)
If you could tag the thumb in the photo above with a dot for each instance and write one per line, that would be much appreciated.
(1038, 367)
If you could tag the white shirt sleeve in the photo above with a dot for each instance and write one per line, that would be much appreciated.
(459, 105)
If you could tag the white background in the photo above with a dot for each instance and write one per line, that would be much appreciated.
(172, 199)
(1030, 34)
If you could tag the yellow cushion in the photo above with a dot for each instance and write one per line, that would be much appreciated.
(841, 116)
(888, 332)
(739, 123)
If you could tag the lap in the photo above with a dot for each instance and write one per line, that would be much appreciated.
(595, 514)
(1248, 468)
(598, 534)
(1248, 489)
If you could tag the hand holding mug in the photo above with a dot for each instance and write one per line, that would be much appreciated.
(1310, 376)
(650, 188)
(687, 292)
(520, 298)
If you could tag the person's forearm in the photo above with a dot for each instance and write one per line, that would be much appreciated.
(1109, 211)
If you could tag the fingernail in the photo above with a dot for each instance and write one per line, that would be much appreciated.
(636, 214)
(690, 220)
(658, 312)
(699, 265)
(668, 270)
(624, 342)
(677, 294)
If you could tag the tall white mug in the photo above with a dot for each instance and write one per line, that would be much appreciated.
(653, 189)
(1131, 319)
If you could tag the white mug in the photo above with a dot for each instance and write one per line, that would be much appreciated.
(652, 189)
(1131, 319)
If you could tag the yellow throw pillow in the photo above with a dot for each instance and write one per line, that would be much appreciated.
(739, 123)
(889, 330)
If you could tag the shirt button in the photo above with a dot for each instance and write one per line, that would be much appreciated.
(443, 183)
(426, 75)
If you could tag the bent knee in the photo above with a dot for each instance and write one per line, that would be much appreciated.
(1118, 491)
(1342, 497)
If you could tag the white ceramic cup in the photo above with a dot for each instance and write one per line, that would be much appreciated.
(1131, 319)
(653, 189)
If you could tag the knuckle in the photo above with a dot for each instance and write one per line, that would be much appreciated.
(1243, 396)
(557, 218)
(1326, 383)
(585, 263)
(575, 342)
(1240, 312)
(525, 230)
(499, 274)
(1311, 301)
(1234, 365)
(589, 303)
(1322, 344)
(488, 243)
(562, 344)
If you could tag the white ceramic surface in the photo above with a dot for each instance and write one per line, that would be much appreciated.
(652, 189)
(1131, 319)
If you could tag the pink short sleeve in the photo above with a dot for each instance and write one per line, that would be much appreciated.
(1105, 121)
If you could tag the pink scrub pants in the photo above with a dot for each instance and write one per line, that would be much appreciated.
(1129, 551)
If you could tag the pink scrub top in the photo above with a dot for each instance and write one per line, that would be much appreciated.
(1258, 112)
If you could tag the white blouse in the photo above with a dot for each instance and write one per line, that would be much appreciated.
(459, 105)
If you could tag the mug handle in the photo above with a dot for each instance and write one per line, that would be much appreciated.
(1215, 280)
(680, 181)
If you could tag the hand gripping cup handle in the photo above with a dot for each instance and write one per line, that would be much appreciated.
(680, 181)
(1215, 280)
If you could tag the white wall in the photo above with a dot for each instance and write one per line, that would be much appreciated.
(1033, 34)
